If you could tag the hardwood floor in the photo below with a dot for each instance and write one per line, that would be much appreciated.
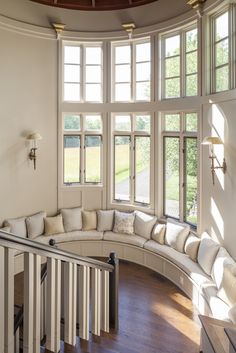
(155, 317)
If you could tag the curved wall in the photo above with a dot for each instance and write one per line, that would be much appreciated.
(28, 95)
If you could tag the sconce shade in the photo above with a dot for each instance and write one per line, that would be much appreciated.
(34, 136)
(212, 140)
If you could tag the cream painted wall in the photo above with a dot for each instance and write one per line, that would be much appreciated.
(28, 96)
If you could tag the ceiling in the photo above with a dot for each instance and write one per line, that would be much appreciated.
(94, 5)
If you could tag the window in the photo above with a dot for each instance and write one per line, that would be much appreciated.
(131, 71)
(132, 158)
(180, 64)
(180, 157)
(221, 52)
(82, 135)
(82, 72)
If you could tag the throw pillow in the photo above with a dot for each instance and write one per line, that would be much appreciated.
(89, 220)
(17, 226)
(207, 252)
(232, 314)
(143, 224)
(222, 259)
(105, 220)
(158, 233)
(176, 235)
(35, 224)
(72, 218)
(227, 290)
(53, 225)
(5, 229)
(191, 247)
(124, 222)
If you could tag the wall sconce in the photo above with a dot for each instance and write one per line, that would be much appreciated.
(211, 141)
(129, 28)
(35, 137)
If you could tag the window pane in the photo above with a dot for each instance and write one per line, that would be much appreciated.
(143, 52)
(71, 55)
(93, 92)
(222, 79)
(93, 123)
(222, 52)
(222, 26)
(191, 40)
(122, 123)
(93, 55)
(122, 92)
(72, 122)
(122, 168)
(172, 88)
(191, 63)
(172, 67)
(191, 121)
(122, 73)
(71, 159)
(171, 176)
(71, 73)
(191, 85)
(143, 72)
(92, 159)
(72, 92)
(142, 169)
(172, 122)
(143, 91)
(122, 54)
(93, 74)
(172, 46)
(142, 123)
(191, 180)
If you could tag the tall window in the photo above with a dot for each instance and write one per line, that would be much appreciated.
(221, 52)
(82, 73)
(180, 64)
(131, 71)
(180, 156)
(82, 136)
(131, 158)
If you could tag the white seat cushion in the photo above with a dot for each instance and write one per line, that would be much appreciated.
(219, 309)
(143, 224)
(132, 239)
(191, 268)
(70, 236)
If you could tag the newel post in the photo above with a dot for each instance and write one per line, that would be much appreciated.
(114, 292)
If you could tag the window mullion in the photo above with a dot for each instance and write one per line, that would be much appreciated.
(133, 72)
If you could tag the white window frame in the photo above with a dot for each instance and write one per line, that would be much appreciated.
(182, 57)
(132, 44)
(83, 133)
(83, 46)
(132, 134)
(182, 134)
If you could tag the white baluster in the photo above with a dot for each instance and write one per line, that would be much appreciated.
(17, 341)
(37, 303)
(58, 306)
(70, 293)
(28, 303)
(2, 300)
(105, 301)
(9, 301)
(96, 301)
(43, 310)
(84, 282)
(50, 313)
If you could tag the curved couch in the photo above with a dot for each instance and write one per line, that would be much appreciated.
(197, 269)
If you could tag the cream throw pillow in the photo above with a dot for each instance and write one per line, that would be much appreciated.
(105, 220)
(158, 233)
(17, 226)
(143, 224)
(89, 220)
(53, 225)
(222, 259)
(72, 218)
(207, 252)
(176, 235)
(227, 290)
(35, 224)
(124, 222)
(191, 247)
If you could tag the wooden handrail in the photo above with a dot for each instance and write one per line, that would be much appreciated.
(26, 245)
